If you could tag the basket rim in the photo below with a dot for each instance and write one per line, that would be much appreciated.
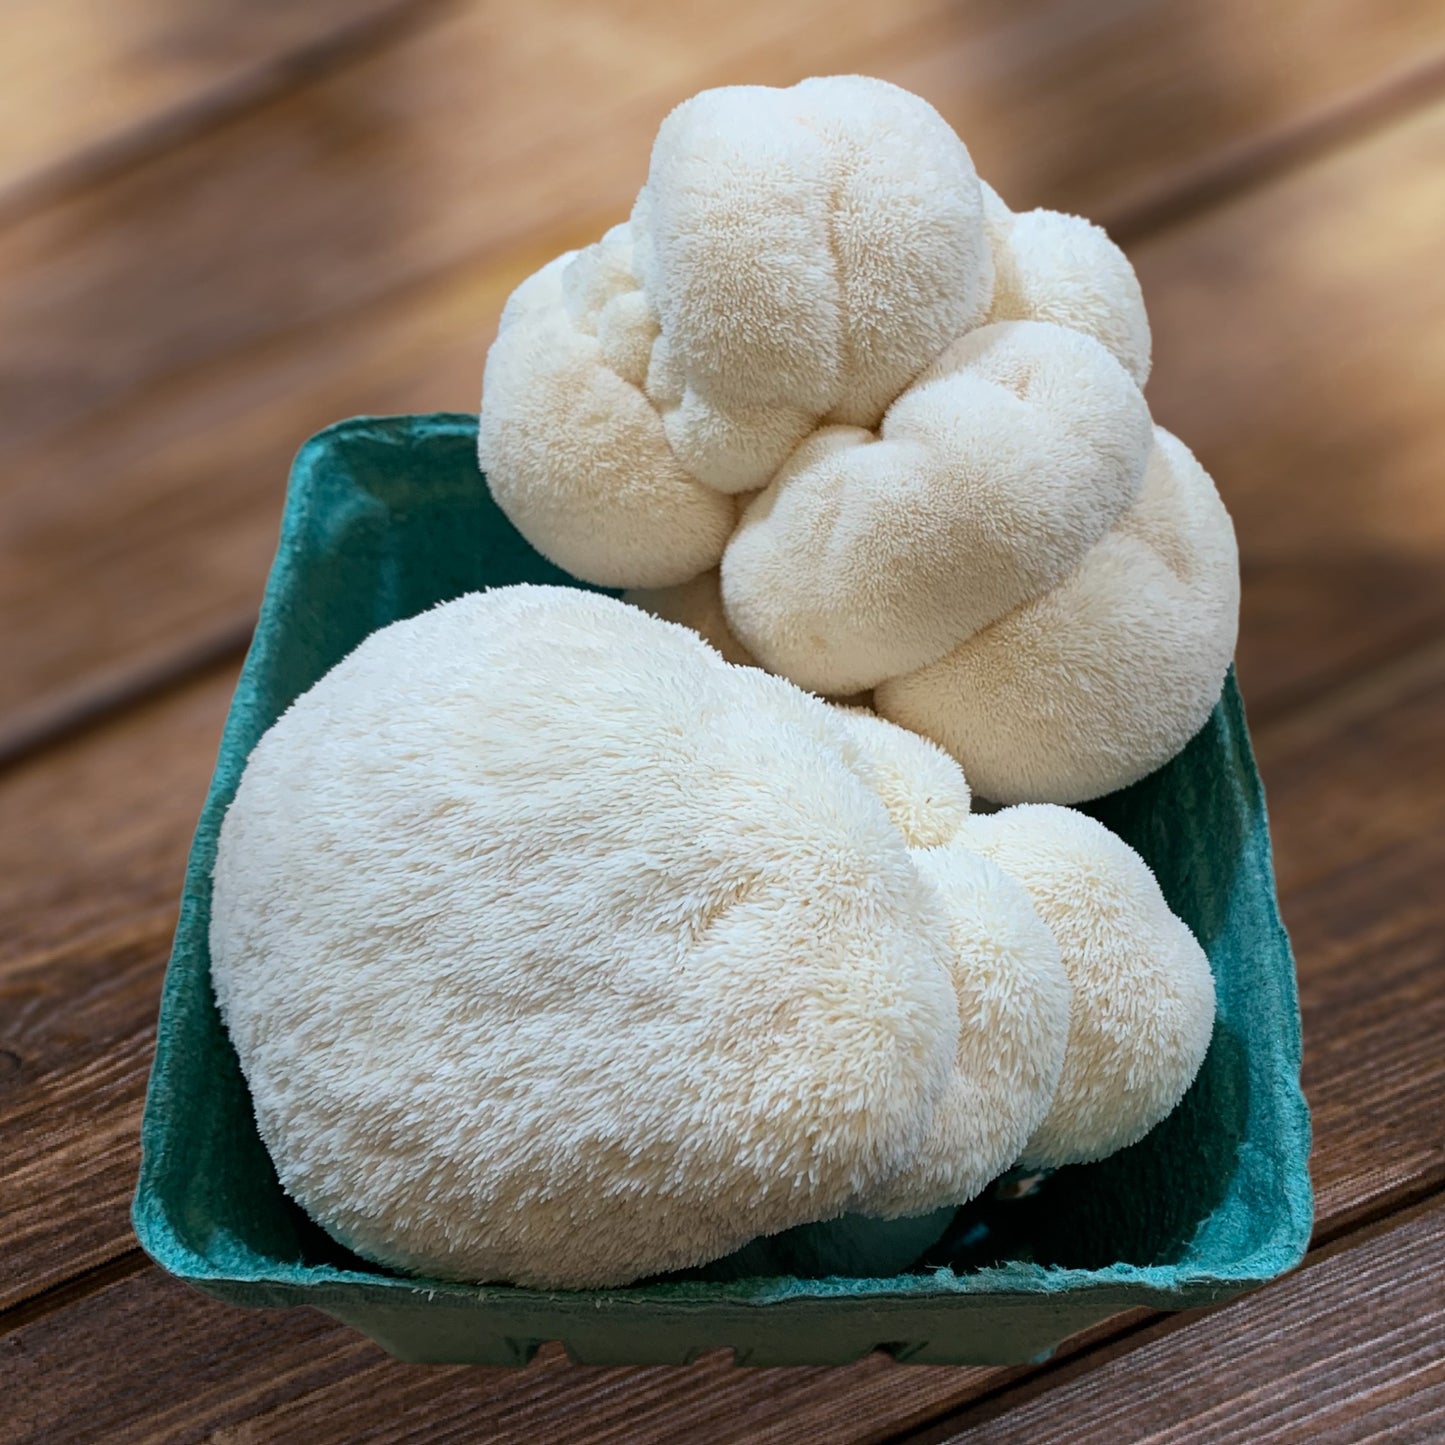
(278, 1282)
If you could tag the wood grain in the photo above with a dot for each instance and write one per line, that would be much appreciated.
(93, 835)
(1300, 344)
(1357, 808)
(494, 124)
(89, 87)
(75, 1051)
(233, 1376)
(93, 840)
(144, 534)
(1350, 1348)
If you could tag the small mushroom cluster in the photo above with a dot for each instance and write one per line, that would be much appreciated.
(558, 950)
(825, 398)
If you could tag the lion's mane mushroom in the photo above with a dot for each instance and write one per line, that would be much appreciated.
(1143, 994)
(557, 950)
(827, 399)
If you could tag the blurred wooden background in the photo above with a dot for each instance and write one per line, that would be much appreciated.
(224, 225)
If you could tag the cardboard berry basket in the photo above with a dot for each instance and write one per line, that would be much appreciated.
(386, 517)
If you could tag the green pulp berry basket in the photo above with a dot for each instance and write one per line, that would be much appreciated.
(386, 517)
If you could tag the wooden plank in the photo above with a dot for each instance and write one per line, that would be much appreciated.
(88, 87)
(192, 1369)
(1350, 1343)
(1300, 344)
(93, 841)
(93, 836)
(144, 535)
(149, 534)
(1358, 800)
(1357, 809)
(1350, 1348)
(78, 1034)
(1352, 1340)
(493, 124)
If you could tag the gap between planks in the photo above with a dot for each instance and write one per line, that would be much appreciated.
(258, 85)
(1226, 177)
(70, 1291)
(995, 1402)
(1089, 1350)
(51, 720)
(1294, 145)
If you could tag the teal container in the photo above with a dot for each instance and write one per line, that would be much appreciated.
(384, 518)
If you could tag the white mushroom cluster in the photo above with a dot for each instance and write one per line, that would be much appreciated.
(558, 950)
(825, 397)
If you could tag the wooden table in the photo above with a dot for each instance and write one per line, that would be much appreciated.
(225, 225)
